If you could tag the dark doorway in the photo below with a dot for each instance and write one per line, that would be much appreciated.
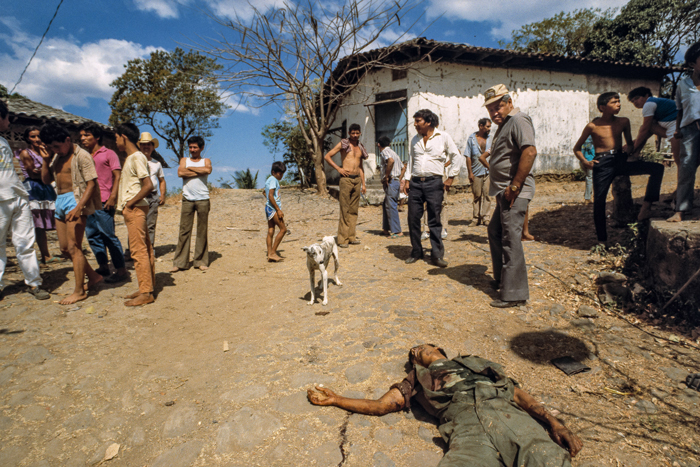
(391, 119)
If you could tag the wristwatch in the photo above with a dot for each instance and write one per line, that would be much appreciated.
(514, 188)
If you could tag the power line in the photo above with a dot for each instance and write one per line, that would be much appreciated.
(37, 47)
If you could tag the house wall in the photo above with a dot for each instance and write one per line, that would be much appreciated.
(560, 105)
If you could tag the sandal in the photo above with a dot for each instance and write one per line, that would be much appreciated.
(396, 235)
(54, 259)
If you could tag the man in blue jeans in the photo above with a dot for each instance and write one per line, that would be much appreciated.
(392, 172)
(100, 225)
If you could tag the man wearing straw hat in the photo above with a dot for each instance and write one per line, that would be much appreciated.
(513, 154)
(148, 145)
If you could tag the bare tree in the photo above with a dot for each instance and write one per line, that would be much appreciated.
(309, 56)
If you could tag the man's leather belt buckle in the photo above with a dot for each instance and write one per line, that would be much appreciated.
(423, 179)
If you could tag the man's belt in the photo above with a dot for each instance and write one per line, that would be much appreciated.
(351, 176)
(601, 155)
(425, 179)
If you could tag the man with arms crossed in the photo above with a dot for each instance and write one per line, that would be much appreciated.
(352, 182)
(134, 186)
(479, 145)
(73, 170)
(432, 153)
(513, 153)
(100, 224)
(194, 171)
(16, 217)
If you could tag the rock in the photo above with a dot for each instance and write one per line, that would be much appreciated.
(13, 455)
(674, 374)
(183, 455)
(388, 436)
(354, 394)
(581, 279)
(239, 396)
(426, 434)
(614, 293)
(326, 455)
(395, 368)
(247, 429)
(382, 460)
(391, 419)
(296, 403)
(35, 355)
(138, 437)
(358, 373)
(608, 277)
(556, 309)
(583, 324)
(79, 421)
(181, 421)
(34, 413)
(307, 379)
(646, 407)
(586, 311)
(6, 374)
(424, 459)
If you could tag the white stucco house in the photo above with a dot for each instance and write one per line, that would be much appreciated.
(558, 92)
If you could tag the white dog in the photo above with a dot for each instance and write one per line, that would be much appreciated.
(318, 256)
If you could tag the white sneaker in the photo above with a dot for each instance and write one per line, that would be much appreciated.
(444, 234)
(424, 236)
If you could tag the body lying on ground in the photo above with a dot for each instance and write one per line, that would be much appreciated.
(485, 419)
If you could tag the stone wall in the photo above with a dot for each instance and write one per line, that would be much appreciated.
(673, 256)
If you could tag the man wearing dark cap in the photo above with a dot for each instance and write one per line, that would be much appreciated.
(513, 154)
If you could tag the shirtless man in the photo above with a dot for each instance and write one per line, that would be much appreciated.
(73, 170)
(485, 419)
(611, 160)
(352, 182)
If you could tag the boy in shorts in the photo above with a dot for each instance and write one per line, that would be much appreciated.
(273, 210)
(610, 160)
(73, 170)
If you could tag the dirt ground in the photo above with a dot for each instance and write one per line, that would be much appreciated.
(75, 380)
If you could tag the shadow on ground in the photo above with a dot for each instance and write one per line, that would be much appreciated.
(163, 280)
(164, 249)
(483, 239)
(542, 346)
(473, 275)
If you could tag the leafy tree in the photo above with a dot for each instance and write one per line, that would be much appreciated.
(286, 136)
(646, 32)
(244, 179)
(562, 34)
(176, 93)
(285, 55)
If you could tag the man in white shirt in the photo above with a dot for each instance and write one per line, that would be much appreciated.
(16, 217)
(431, 151)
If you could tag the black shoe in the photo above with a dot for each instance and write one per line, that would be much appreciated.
(103, 271)
(504, 304)
(440, 262)
(39, 294)
(115, 278)
(412, 260)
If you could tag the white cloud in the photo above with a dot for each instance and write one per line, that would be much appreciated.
(508, 15)
(64, 72)
(163, 8)
(243, 8)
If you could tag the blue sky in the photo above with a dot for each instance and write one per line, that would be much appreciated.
(89, 42)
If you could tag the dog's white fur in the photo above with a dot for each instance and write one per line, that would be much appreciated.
(318, 256)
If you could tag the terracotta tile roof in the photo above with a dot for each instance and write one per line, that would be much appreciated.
(452, 52)
(21, 106)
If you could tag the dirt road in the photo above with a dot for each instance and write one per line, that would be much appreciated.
(156, 381)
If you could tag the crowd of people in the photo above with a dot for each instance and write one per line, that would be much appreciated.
(77, 189)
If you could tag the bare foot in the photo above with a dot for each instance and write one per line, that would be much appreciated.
(91, 283)
(203, 267)
(677, 217)
(527, 237)
(140, 299)
(274, 258)
(174, 269)
(133, 295)
(644, 213)
(74, 297)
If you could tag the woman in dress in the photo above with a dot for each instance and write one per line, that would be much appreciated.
(41, 197)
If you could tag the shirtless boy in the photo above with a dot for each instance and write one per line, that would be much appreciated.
(610, 160)
(352, 182)
(73, 170)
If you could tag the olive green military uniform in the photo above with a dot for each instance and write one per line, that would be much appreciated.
(479, 420)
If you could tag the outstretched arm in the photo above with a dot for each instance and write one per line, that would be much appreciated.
(559, 433)
(392, 401)
(328, 158)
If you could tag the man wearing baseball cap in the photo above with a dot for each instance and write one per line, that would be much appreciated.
(513, 153)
